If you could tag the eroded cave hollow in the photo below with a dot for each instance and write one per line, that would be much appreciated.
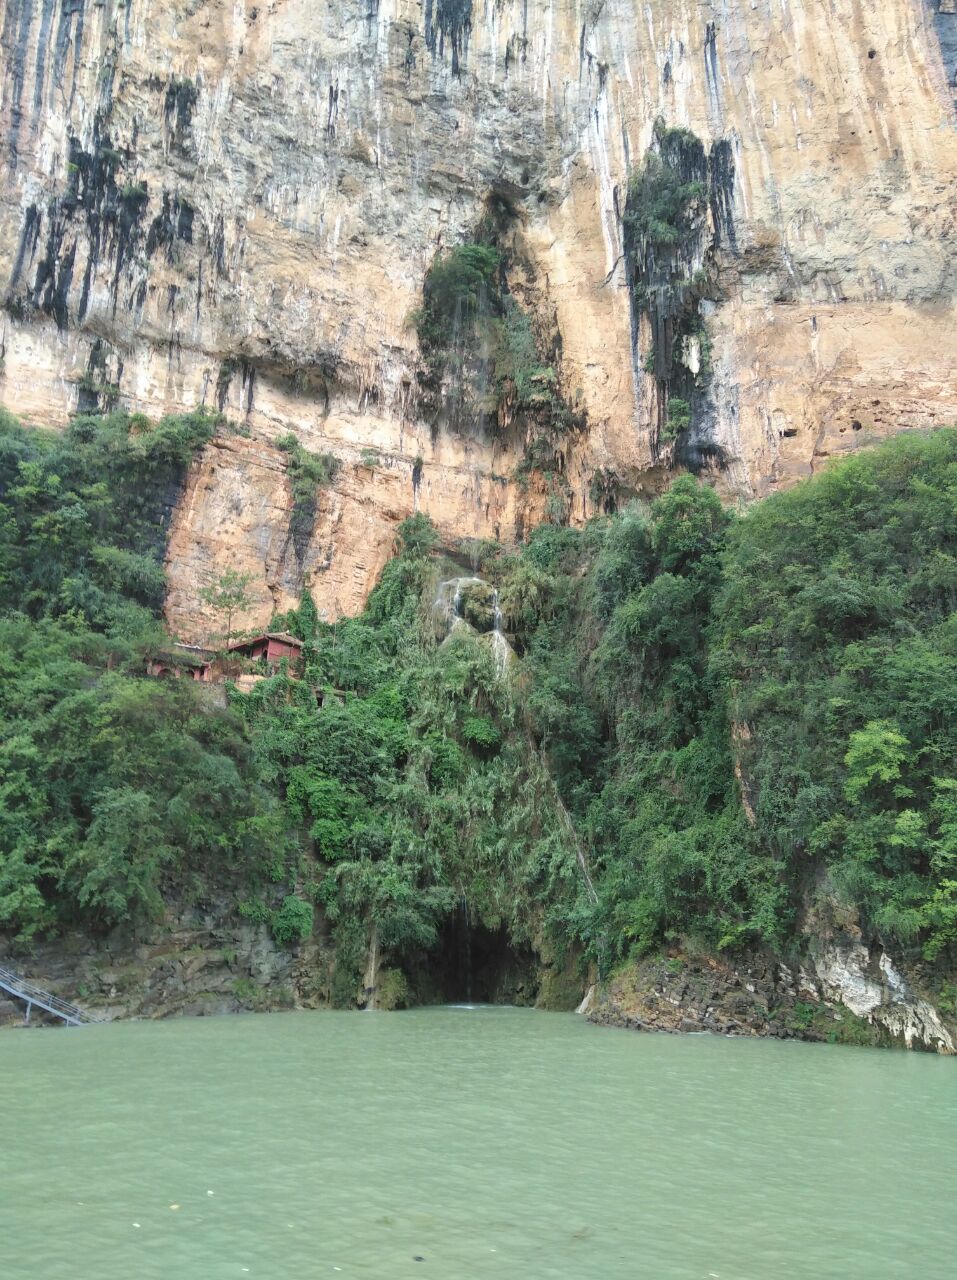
(473, 964)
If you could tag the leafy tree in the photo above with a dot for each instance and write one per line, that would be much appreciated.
(293, 921)
(117, 791)
(228, 595)
(874, 759)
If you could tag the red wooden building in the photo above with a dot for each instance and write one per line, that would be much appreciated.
(269, 646)
(190, 662)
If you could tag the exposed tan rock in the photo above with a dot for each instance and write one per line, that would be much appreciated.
(324, 152)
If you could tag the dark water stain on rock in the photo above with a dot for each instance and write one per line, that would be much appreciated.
(448, 21)
(173, 223)
(672, 249)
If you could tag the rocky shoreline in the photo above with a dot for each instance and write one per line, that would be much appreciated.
(193, 970)
(842, 994)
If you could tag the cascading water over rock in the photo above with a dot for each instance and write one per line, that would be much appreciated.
(501, 649)
(473, 603)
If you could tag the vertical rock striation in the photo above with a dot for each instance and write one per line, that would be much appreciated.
(236, 205)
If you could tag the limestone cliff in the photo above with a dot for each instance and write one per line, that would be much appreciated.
(236, 204)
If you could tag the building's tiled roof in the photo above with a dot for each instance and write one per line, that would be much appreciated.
(283, 636)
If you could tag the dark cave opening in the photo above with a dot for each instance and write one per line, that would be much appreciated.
(473, 964)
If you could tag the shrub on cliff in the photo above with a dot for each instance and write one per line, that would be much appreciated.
(667, 193)
(85, 513)
(459, 288)
(293, 920)
(484, 362)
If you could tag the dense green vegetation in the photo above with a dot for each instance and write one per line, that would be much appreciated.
(416, 789)
(114, 789)
(838, 641)
(634, 725)
(121, 793)
(752, 717)
(734, 720)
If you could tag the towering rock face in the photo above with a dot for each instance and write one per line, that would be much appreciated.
(236, 204)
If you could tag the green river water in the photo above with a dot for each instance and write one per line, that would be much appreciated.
(455, 1143)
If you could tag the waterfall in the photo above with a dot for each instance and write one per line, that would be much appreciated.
(501, 649)
(448, 614)
(447, 605)
(371, 980)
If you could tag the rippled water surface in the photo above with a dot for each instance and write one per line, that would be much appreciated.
(452, 1143)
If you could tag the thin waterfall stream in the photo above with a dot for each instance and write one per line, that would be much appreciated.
(453, 610)
(449, 611)
(501, 649)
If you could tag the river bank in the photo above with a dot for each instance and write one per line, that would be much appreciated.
(195, 969)
(839, 992)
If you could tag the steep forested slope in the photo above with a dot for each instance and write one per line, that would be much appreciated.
(712, 727)
(767, 700)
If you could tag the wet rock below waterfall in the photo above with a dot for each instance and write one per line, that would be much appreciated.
(478, 606)
(469, 600)
(471, 605)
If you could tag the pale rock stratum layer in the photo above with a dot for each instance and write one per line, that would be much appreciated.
(275, 178)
